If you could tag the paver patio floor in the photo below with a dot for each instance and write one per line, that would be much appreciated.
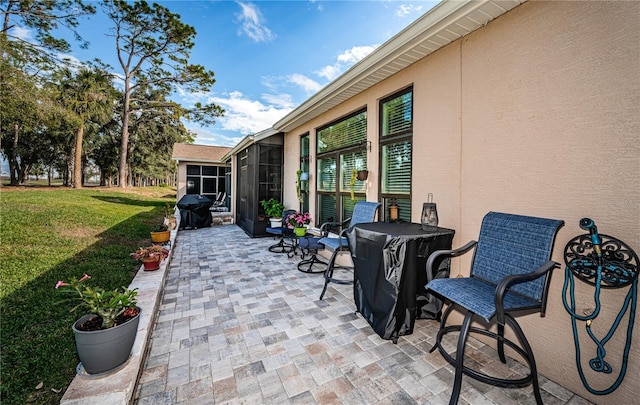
(241, 325)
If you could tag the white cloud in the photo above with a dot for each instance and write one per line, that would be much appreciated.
(21, 33)
(345, 60)
(355, 54)
(207, 137)
(406, 9)
(310, 86)
(252, 23)
(247, 116)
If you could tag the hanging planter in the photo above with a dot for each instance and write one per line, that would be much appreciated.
(362, 174)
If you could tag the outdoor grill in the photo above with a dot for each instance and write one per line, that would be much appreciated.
(194, 211)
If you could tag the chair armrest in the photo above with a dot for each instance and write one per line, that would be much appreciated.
(506, 281)
(452, 253)
(326, 227)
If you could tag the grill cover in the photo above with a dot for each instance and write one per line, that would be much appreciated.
(194, 211)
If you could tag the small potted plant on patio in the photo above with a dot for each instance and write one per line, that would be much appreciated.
(160, 233)
(105, 335)
(273, 209)
(169, 217)
(151, 256)
(298, 221)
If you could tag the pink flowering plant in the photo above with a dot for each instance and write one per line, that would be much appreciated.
(109, 305)
(298, 219)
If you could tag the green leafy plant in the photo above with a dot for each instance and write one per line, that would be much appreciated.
(352, 183)
(161, 227)
(272, 208)
(298, 186)
(108, 304)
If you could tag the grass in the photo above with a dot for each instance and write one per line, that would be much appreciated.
(51, 234)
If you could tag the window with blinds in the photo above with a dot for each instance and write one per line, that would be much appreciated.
(340, 150)
(304, 167)
(396, 133)
(344, 133)
(397, 115)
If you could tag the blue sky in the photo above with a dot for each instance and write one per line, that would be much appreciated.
(268, 56)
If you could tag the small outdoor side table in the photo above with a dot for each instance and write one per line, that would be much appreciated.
(390, 276)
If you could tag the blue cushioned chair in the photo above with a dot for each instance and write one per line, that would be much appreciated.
(510, 272)
(283, 232)
(363, 211)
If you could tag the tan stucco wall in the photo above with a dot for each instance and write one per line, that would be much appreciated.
(537, 113)
(181, 188)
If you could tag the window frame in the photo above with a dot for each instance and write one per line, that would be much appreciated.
(385, 140)
(341, 194)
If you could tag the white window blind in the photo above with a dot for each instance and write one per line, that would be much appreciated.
(347, 132)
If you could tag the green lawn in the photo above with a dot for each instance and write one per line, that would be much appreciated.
(51, 234)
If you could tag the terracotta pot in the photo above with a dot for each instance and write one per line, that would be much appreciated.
(160, 237)
(105, 350)
(363, 175)
(151, 263)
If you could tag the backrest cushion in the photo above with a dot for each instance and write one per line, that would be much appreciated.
(514, 244)
(364, 211)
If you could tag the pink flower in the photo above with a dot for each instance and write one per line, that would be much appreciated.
(61, 283)
(86, 276)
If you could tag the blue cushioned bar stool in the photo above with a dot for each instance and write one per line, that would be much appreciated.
(363, 211)
(510, 272)
(283, 232)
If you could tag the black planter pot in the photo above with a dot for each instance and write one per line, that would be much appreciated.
(105, 350)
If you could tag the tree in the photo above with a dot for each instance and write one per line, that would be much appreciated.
(24, 58)
(42, 17)
(153, 48)
(88, 95)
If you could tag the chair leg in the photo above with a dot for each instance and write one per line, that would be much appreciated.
(462, 340)
(443, 323)
(524, 343)
(501, 343)
(328, 274)
(309, 263)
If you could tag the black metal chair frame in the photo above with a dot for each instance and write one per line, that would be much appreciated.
(344, 247)
(306, 265)
(282, 246)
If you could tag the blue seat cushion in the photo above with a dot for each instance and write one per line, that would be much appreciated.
(478, 296)
(310, 243)
(277, 231)
(333, 243)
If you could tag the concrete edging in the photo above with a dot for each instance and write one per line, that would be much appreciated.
(119, 387)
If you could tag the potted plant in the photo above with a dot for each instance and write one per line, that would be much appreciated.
(169, 217)
(105, 335)
(160, 233)
(273, 209)
(298, 221)
(151, 256)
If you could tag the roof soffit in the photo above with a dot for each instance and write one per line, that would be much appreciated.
(445, 23)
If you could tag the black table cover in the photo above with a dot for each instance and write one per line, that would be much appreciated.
(390, 276)
(194, 211)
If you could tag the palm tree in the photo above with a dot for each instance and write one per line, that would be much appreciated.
(89, 97)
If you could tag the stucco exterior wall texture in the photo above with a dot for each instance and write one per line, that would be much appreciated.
(537, 113)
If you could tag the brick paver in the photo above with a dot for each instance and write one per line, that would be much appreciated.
(239, 324)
